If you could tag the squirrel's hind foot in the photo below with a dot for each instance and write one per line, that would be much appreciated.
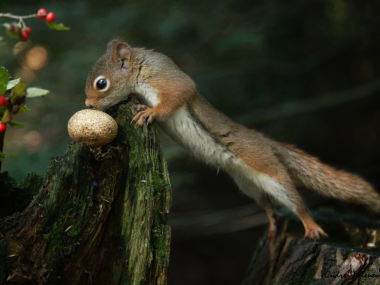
(315, 233)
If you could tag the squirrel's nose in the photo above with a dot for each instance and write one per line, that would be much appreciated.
(88, 104)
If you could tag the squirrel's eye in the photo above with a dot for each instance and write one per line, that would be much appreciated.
(101, 84)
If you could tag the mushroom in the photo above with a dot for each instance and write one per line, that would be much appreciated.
(94, 128)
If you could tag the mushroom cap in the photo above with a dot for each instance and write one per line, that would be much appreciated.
(93, 127)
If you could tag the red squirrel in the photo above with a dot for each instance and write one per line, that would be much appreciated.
(265, 170)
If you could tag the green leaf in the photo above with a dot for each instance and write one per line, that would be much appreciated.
(2, 109)
(4, 79)
(16, 125)
(36, 92)
(12, 35)
(13, 30)
(58, 27)
(17, 100)
(23, 109)
(3, 155)
(12, 83)
(5, 116)
(18, 94)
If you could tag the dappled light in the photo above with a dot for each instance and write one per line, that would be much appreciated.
(36, 57)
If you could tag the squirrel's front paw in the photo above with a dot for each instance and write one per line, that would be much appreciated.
(146, 114)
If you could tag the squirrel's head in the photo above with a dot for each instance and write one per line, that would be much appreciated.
(112, 77)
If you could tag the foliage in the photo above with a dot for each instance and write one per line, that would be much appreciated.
(15, 104)
(20, 31)
(36, 92)
(58, 27)
(16, 101)
(4, 79)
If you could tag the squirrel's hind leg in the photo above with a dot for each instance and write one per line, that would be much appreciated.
(285, 192)
(272, 231)
(267, 191)
(262, 200)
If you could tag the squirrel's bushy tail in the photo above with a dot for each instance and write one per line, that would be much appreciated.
(308, 171)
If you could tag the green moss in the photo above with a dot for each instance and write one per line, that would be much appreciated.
(62, 237)
(160, 185)
(32, 183)
(56, 240)
(143, 211)
(159, 243)
(74, 231)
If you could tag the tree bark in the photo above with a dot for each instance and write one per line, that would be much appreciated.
(347, 257)
(75, 232)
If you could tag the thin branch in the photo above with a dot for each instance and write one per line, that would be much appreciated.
(20, 18)
(9, 15)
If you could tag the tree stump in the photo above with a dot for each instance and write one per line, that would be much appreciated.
(75, 232)
(349, 255)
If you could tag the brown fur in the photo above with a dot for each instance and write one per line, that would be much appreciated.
(158, 79)
(308, 171)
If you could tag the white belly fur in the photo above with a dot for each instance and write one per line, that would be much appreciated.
(190, 135)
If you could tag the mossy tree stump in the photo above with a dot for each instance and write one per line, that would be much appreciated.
(76, 233)
(347, 257)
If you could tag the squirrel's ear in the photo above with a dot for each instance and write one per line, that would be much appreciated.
(111, 45)
(121, 51)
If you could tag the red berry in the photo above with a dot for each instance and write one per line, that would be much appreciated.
(41, 13)
(25, 36)
(93, 176)
(28, 30)
(3, 101)
(50, 17)
(3, 127)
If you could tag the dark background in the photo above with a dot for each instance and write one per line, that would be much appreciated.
(304, 72)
